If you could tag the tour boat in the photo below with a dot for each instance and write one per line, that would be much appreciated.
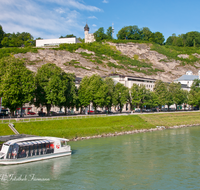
(30, 149)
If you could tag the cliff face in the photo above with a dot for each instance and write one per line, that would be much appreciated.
(82, 65)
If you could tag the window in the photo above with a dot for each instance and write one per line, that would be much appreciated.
(63, 143)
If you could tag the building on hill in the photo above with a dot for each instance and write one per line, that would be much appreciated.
(56, 42)
(88, 37)
(187, 80)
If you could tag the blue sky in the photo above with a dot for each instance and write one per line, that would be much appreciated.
(53, 18)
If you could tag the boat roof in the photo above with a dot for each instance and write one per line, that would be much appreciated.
(37, 138)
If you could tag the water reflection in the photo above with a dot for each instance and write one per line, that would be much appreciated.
(33, 173)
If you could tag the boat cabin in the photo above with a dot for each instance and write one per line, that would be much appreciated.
(23, 148)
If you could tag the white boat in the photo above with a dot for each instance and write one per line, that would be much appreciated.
(30, 149)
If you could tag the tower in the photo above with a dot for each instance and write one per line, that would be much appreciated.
(112, 30)
(88, 37)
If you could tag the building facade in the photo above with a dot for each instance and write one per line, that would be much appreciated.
(128, 81)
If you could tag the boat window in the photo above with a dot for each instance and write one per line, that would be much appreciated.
(22, 152)
(63, 143)
(13, 151)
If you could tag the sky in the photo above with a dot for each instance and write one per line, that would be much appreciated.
(53, 18)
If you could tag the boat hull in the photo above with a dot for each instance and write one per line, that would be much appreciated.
(33, 159)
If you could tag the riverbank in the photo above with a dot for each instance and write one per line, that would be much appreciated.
(158, 128)
(96, 127)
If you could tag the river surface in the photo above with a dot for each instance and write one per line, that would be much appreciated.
(168, 159)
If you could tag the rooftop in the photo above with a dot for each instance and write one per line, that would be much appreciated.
(187, 78)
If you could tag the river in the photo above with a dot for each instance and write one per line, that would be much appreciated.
(168, 159)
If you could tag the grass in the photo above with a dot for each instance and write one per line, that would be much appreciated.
(5, 130)
(172, 119)
(72, 128)
(5, 52)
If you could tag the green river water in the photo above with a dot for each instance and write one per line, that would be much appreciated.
(168, 159)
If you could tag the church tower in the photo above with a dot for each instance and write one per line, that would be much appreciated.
(88, 37)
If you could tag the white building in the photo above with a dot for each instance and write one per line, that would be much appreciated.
(187, 80)
(56, 42)
(128, 81)
(88, 37)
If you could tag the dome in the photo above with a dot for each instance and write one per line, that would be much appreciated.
(86, 28)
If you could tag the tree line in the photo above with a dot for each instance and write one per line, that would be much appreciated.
(51, 86)
(190, 39)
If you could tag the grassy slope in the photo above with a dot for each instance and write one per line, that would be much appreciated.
(70, 128)
(5, 130)
(172, 119)
(83, 127)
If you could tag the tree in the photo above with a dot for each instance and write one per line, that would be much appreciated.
(83, 92)
(95, 85)
(100, 35)
(120, 96)
(161, 91)
(157, 37)
(130, 32)
(194, 94)
(140, 96)
(16, 83)
(169, 95)
(179, 96)
(2, 33)
(104, 96)
(70, 92)
(50, 86)
(146, 33)
(109, 33)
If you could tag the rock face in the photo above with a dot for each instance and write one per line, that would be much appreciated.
(172, 69)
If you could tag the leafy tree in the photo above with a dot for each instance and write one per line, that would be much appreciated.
(104, 96)
(100, 35)
(16, 83)
(194, 94)
(2, 33)
(161, 91)
(109, 33)
(157, 37)
(177, 93)
(130, 32)
(120, 96)
(140, 96)
(110, 92)
(153, 100)
(70, 92)
(95, 85)
(169, 95)
(146, 33)
(83, 92)
(50, 86)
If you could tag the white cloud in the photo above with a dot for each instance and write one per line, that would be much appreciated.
(92, 17)
(104, 1)
(74, 4)
(60, 10)
(41, 20)
(94, 25)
